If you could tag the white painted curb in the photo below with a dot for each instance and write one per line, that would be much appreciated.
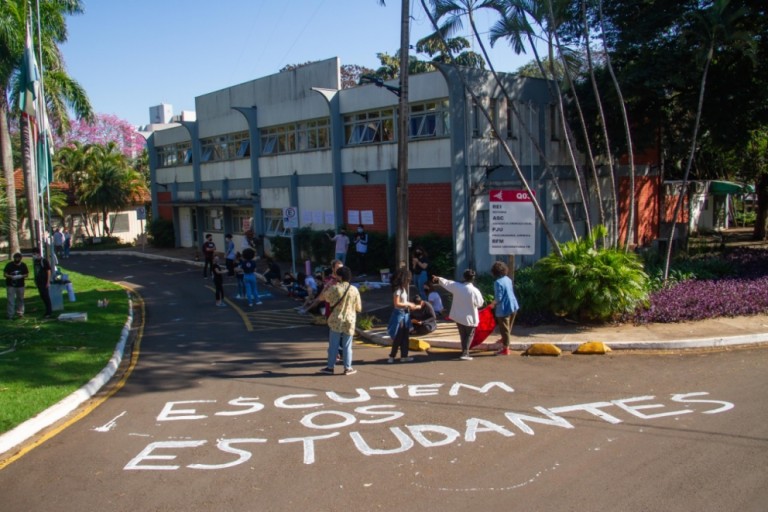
(58, 411)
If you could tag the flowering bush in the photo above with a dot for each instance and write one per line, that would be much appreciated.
(746, 293)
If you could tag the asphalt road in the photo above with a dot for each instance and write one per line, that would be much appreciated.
(220, 415)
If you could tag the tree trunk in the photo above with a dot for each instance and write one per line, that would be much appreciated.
(10, 185)
(761, 218)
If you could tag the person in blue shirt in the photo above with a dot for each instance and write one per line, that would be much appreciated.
(504, 303)
(248, 265)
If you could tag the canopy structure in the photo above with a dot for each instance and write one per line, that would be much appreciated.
(721, 188)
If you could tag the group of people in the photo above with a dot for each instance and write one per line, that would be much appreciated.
(239, 264)
(16, 272)
(419, 317)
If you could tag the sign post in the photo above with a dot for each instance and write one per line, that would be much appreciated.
(141, 215)
(291, 222)
(513, 223)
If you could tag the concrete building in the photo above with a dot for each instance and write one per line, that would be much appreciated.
(296, 139)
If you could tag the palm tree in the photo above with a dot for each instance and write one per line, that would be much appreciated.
(60, 90)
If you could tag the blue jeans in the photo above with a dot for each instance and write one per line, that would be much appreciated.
(421, 280)
(251, 289)
(342, 257)
(336, 340)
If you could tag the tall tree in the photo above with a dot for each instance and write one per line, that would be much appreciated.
(61, 91)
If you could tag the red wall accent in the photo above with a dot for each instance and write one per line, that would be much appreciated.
(646, 209)
(164, 205)
(366, 197)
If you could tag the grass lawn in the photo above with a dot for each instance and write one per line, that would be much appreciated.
(43, 361)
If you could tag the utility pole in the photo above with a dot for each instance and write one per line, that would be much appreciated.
(401, 234)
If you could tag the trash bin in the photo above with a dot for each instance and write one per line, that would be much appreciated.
(57, 296)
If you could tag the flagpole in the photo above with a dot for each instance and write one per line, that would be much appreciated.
(44, 154)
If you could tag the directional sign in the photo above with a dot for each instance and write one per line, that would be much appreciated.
(290, 217)
(512, 223)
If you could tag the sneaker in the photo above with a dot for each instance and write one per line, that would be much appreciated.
(250, 304)
(349, 371)
(259, 303)
(326, 371)
(238, 296)
(391, 360)
(466, 357)
(503, 352)
(406, 359)
(222, 305)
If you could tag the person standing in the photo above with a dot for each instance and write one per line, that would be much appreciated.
(58, 243)
(15, 273)
(209, 250)
(342, 245)
(400, 322)
(67, 242)
(229, 254)
(420, 268)
(42, 269)
(241, 293)
(466, 299)
(249, 277)
(361, 249)
(504, 303)
(218, 282)
(345, 305)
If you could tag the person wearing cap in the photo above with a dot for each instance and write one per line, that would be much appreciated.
(15, 273)
(43, 272)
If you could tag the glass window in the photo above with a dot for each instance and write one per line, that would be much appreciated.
(370, 127)
(214, 219)
(429, 120)
(225, 147)
(172, 155)
(273, 221)
(554, 123)
(241, 220)
(510, 124)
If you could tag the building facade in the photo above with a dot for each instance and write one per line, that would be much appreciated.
(296, 139)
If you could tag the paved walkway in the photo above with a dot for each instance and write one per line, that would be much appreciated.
(714, 333)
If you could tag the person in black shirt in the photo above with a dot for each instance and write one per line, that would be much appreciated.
(423, 317)
(15, 273)
(43, 282)
(209, 251)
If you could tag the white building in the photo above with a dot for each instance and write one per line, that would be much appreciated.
(297, 139)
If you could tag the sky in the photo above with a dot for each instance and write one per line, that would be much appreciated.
(131, 55)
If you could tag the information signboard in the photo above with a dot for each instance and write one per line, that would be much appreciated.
(512, 222)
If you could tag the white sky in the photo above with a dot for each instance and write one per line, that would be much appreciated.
(132, 55)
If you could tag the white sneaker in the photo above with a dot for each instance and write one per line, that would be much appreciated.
(391, 360)
(259, 303)
(238, 296)
(406, 359)
(466, 358)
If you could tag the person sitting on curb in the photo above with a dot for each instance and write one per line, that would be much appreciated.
(423, 317)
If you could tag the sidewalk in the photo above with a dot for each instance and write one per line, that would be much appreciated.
(713, 333)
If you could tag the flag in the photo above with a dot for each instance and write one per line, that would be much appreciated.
(30, 80)
(485, 326)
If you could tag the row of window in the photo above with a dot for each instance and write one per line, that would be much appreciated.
(427, 120)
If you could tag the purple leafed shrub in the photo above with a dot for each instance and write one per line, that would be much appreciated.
(745, 294)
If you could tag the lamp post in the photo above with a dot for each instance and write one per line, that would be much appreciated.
(401, 233)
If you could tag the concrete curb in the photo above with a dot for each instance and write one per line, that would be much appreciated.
(61, 409)
(380, 337)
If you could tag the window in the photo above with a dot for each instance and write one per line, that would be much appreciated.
(119, 223)
(241, 220)
(554, 123)
(214, 219)
(576, 209)
(295, 137)
(429, 120)
(475, 118)
(511, 124)
(273, 221)
(370, 127)
(225, 147)
(481, 221)
(172, 155)
(493, 112)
